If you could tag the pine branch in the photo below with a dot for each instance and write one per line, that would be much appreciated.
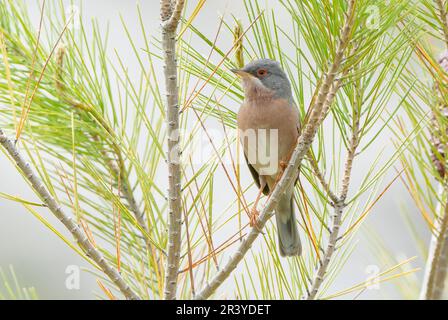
(119, 171)
(350, 157)
(301, 150)
(320, 176)
(170, 12)
(339, 205)
(331, 248)
(173, 22)
(68, 222)
(115, 163)
(339, 202)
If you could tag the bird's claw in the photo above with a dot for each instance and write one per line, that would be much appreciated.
(283, 165)
(254, 217)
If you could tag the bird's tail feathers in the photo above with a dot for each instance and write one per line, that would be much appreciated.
(288, 233)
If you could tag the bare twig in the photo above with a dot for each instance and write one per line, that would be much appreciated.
(67, 220)
(331, 247)
(170, 12)
(178, 6)
(302, 148)
(351, 154)
(339, 206)
(339, 202)
(334, 89)
(320, 176)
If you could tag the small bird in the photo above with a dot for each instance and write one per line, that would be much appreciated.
(268, 121)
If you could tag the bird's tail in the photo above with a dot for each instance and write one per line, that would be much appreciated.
(288, 233)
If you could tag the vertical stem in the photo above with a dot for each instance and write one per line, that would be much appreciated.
(331, 248)
(339, 202)
(339, 206)
(170, 15)
(437, 263)
(239, 61)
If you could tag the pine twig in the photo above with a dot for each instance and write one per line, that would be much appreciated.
(170, 13)
(350, 156)
(177, 6)
(67, 220)
(301, 150)
(116, 166)
(331, 248)
(339, 206)
(320, 176)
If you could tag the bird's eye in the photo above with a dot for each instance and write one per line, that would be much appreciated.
(262, 72)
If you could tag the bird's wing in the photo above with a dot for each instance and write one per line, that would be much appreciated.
(299, 123)
(299, 130)
(256, 177)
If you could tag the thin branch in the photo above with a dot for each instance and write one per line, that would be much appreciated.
(351, 153)
(166, 9)
(116, 166)
(320, 176)
(331, 248)
(302, 148)
(170, 17)
(190, 258)
(332, 94)
(339, 205)
(173, 22)
(67, 220)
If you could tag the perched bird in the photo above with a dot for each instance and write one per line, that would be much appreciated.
(269, 124)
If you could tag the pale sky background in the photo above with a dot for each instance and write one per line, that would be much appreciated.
(40, 258)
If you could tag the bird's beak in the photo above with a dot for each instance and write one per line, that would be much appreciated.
(241, 73)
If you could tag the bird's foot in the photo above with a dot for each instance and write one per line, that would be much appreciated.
(283, 165)
(254, 214)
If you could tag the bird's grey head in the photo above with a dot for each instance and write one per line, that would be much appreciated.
(265, 76)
